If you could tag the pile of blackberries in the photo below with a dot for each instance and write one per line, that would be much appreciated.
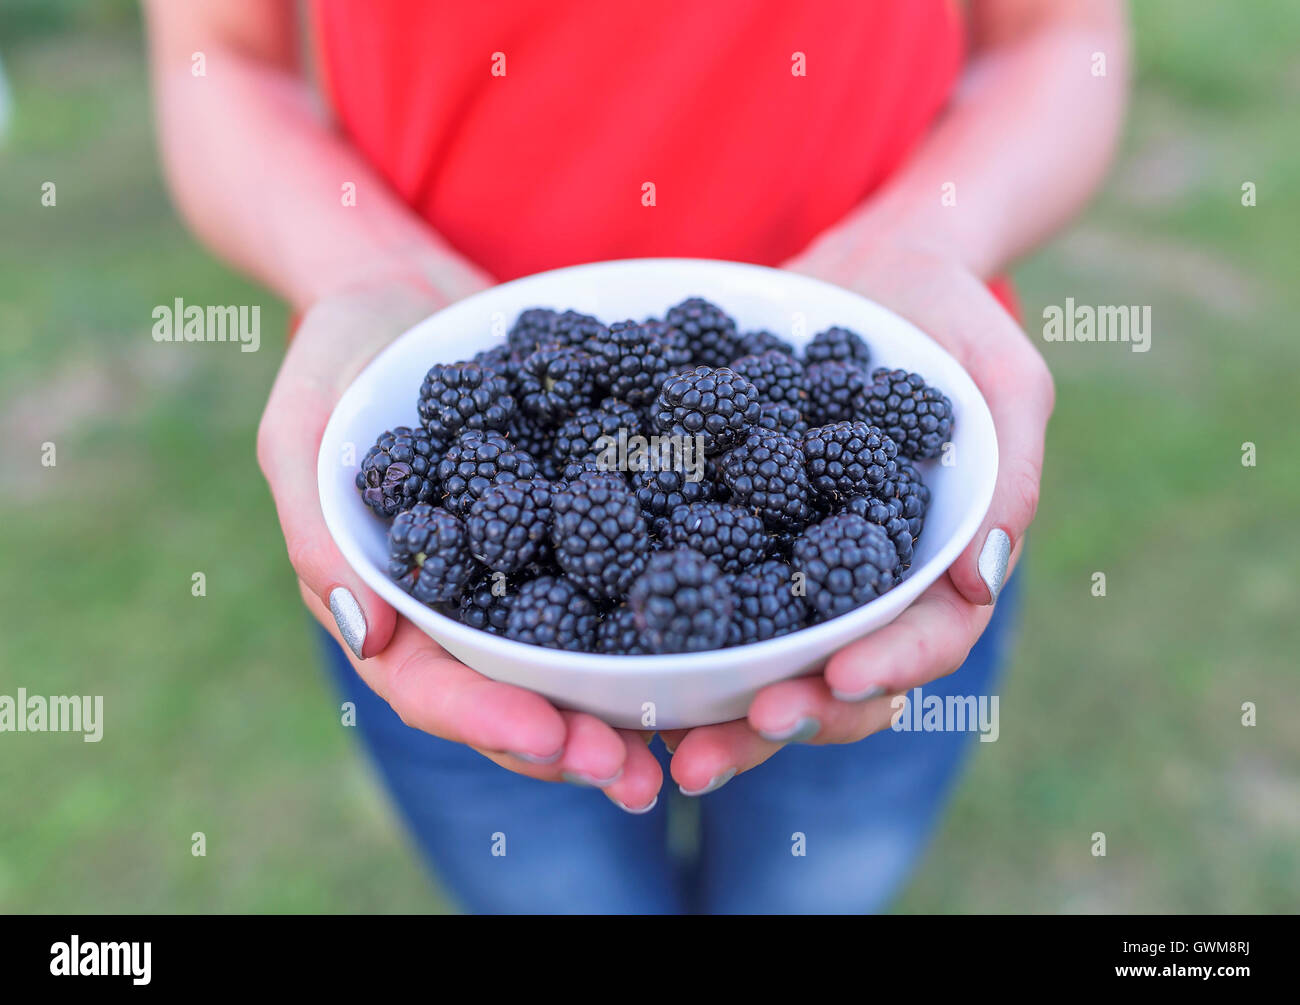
(660, 486)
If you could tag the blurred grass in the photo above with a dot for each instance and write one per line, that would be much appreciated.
(1119, 714)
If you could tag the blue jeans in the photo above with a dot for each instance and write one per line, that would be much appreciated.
(865, 810)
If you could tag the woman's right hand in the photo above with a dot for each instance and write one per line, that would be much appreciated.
(427, 687)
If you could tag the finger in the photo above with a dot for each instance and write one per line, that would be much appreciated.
(671, 738)
(929, 639)
(432, 692)
(1018, 388)
(287, 444)
(637, 790)
(804, 710)
(594, 752)
(710, 756)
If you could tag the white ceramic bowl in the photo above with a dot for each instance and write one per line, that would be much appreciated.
(664, 692)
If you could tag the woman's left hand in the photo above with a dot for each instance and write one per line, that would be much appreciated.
(853, 696)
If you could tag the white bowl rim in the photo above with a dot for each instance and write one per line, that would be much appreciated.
(793, 646)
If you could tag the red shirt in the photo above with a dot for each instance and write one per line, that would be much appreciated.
(546, 165)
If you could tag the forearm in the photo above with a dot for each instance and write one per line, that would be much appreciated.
(260, 177)
(1025, 141)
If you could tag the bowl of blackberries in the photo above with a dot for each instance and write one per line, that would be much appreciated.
(646, 489)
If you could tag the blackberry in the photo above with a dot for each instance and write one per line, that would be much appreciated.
(836, 392)
(475, 462)
(708, 329)
(888, 515)
(781, 418)
(496, 359)
(911, 494)
(485, 603)
(428, 554)
(682, 603)
(754, 343)
(917, 416)
(531, 329)
(588, 433)
(847, 561)
(553, 382)
(536, 440)
(550, 611)
(633, 363)
(676, 344)
(766, 474)
(730, 536)
(599, 534)
(459, 396)
(847, 459)
(509, 525)
(399, 471)
(719, 405)
(572, 328)
(575, 469)
(658, 493)
(838, 344)
(619, 634)
(766, 604)
(779, 378)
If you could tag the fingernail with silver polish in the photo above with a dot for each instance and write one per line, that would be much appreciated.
(715, 783)
(636, 813)
(874, 691)
(804, 729)
(586, 781)
(536, 759)
(348, 616)
(994, 558)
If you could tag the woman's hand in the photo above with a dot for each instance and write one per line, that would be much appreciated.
(852, 697)
(428, 688)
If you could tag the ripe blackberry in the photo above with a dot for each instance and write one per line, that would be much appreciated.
(730, 536)
(847, 561)
(531, 329)
(399, 471)
(550, 611)
(719, 405)
(917, 416)
(766, 474)
(846, 459)
(576, 329)
(633, 363)
(536, 440)
(682, 603)
(428, 554)
(485, 603)
(780, 418)
(599, 534)
(553, 382)
(478, 460)
(836, 392)
(586, 434)
(619, 634)
(709, 330)
(496, 359)
(509, 525)
(767, 606)
(888, 515)
(909, 491)
(676, 344)
(838, 344)
(658, 493)
(754, 343)
(457, 396)
(779, 378)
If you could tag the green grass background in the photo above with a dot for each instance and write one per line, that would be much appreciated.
(1119, 714)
